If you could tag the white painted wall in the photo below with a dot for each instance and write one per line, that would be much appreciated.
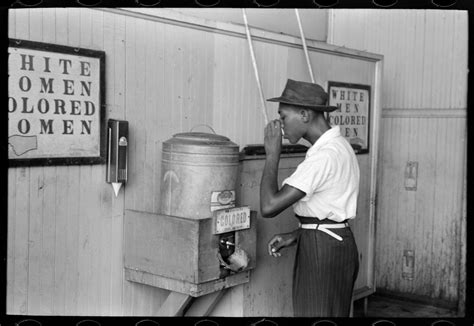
(423, 120)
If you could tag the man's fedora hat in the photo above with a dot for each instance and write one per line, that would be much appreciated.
(309, 95)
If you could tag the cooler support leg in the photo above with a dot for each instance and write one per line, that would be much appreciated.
(175, 304)
(203, 306)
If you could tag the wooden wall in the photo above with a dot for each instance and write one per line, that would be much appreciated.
(65, 225)
(423, 120)
(64, 222)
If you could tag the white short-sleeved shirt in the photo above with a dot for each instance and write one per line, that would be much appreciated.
(329, 175)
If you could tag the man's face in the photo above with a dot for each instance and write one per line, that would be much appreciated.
(292, 122)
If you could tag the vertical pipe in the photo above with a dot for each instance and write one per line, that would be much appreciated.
(303, 40)
(254, 63)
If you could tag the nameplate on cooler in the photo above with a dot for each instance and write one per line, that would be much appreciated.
(231, 219)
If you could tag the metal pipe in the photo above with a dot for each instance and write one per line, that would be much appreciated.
(303, 40)
(254, 63)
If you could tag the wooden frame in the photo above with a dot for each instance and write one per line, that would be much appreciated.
(56, 105)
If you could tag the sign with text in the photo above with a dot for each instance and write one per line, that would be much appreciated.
(55, 104)
(232, 219)
(352, 114)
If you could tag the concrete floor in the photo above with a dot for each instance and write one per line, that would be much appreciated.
(382, 306)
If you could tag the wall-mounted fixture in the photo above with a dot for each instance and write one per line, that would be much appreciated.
(411, 175)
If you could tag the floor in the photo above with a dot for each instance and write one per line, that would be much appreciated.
(382, 306)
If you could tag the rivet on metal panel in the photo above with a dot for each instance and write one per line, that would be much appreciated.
(384, 322)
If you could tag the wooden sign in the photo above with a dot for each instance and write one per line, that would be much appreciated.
(55, 104)
(352, 114)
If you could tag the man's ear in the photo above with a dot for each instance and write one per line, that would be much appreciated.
(305, 115)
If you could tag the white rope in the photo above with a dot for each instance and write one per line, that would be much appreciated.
(303, 40)
(254, 63)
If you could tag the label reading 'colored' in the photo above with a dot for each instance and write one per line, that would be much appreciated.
(231, 219)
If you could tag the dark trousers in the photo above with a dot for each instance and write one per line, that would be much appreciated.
(325, 272)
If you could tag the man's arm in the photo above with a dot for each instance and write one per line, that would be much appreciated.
(272, 200)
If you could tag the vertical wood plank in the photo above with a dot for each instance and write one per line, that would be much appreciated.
(117, 279)
(59, 292)
(131, 102)
(35, 190)
(72, 235)
(409, 215)
(100, 203)
(36, 24)
(60, 242)
(139, 83)
(160, 133)
(21, 224)
(47, 262)
(49, 26)
(107, 301)
(12, 23)
(458, 98)
(85, 28)
(425, 209)
(97, 29)
(415, 99)
(439, 214)
(12, 241)
(22, 24)
(61, 29)
(380, 213)
(86, 249)
(74, 26)
(101, 247)
(150, 108)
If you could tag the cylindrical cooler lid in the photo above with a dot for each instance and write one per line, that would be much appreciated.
(207, 138)
(199, 142)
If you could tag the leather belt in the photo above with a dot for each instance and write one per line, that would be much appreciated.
(325, 228)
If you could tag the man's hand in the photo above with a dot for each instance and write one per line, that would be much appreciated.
(272, 137)
(280, 241)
